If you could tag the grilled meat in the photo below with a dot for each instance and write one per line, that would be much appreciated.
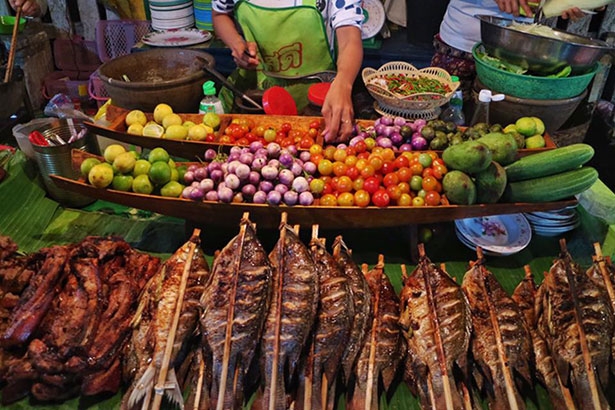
(381, 352)
(436, 323)
(235, 304)
(575, 320)
(292, 313)
(362, 307)
(501, 341)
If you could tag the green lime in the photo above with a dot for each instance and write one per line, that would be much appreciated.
(174, 174)
(142, 185)
(172, 189)
(160, 172)
(526, 126)
(158, 154)
(122, 182)
(141, 167)
(100, 176)
(212, 120)
(171, 163)
(181, 171)
(87, 165)
(535, 141)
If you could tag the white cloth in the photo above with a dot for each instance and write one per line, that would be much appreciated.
(336, 13)
(459, 27)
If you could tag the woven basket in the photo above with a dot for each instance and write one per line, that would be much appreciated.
(413, 102)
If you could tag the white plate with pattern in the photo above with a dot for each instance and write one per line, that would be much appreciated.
(176, 38)
(498, 234)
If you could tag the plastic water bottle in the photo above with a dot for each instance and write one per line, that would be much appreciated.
(454, 111)
(481, 112)
(210, 102)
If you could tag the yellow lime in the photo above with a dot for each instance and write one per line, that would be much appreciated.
(540, 125)
(135, 129)
(171, 163)
(526, 126)
(122, 182)
(153, 130)
(176, 132)
(141, 167)
(112, 151)
(172, 189)
(510, 128)
(160, 173)
(198, 132)
(212, 120)
(136, 117)
(124, 162)
(161, 111)
(142, 185)
(158, 154)
(535, 141)
(171, 119)
(87, 165)
(188, 124)
(174, 174)
(100, 176)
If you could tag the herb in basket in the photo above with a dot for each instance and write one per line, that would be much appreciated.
(409, 84)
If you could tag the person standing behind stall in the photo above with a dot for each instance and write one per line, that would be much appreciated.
(30, 8)
(297, 38)
(460, 31)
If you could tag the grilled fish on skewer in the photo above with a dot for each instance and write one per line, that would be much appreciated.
(362, 306)
(574, 318)
(235, 304)
(436, 323)
(501, 339)
(526, 295)
(292, 313)
(381, 352)
(173, 322)
(330, 334)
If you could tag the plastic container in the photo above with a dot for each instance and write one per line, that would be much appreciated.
(57, 160)
(210, 103)
(454, 111)
(316, 97)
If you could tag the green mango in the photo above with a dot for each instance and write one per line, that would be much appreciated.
(468, 156)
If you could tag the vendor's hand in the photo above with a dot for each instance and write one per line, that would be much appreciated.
(338, 112)
(244, 55)
(29, 8)
(573, 14)
(514, 6)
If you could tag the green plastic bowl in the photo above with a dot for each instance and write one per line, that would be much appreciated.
(7, 23)
(528, 86)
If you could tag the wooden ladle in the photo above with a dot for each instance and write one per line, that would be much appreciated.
(11, 60)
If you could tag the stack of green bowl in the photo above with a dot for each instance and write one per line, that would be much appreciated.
(202, 15)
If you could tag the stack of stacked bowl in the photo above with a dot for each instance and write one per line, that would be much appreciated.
(202, 15)
(544, 56)
(171, 14)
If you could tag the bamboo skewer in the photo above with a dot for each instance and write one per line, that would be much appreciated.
(11, 61)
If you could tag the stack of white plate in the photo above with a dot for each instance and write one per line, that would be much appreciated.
(171, 14)
(497, 235)
(551, 223)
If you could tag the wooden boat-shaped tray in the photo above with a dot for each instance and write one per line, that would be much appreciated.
(267, 216)
(192, 150)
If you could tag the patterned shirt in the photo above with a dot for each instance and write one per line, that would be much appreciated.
(336, 13)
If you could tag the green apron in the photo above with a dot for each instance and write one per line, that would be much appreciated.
(292, 41)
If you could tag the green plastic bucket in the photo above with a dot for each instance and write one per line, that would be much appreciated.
(528, 86)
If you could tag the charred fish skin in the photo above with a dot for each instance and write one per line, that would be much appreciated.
(172, 272)
(234, 309)
(577, 326)
(381, 353)
(291, 315)
(436, 324)
(361, 298)
(500, 337)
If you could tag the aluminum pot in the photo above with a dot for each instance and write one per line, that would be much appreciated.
(541, 55)
(172, 76)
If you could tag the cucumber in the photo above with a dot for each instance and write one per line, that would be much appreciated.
(549, 162)
(552, 187)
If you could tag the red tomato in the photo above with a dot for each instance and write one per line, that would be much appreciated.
(390, 179)
(376, 161)
(404, 174)
(286, 127)
(432, 198)
(306, 142)
(259, 131)
(328, 189)
(381, 198)
(328, 200)
(401, 161)
(353, 173)
(250, 136)
(361, 198)
(387, 167)
(313, 132)
(344, 184)
(360, 147)
(416, 168)
(371, 184)
(351, 151)
(242, 141)
(394, 192)
(315, 149)
(314, 124)
(427, 172)
(368, 171)
(430, 183)
(339, 168)
(439, 170)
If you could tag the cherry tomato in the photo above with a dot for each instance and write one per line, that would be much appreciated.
(286, 127)
(250, 136)
(325, 167)
(376, 161)
(432, 198)
(242, 141)
(361, 163)
(313, 132)
(401, 162)
(370, 143)
(328, 200)
(416, 183)
(371, 185)
(425, 159)
(269, 135)
(259, 131)
(329, 151)
(387, 154)
(357, 184)
(315, 158)
(316, 149)
(439, 170)
(394, 192)
(416, 168)
(368, 171)
(387, 167)
(427, 172)
(226, 139)
(306, 142)
(404, 187)
(381, 198)
(339, 168)
(361, 198)
(390, 179)
(418, 201)
(353, 173)
(404, 174)
(345, 199)
(314, 124)
(360, 147)
(339, 154)
(328, 189)
(351, 160)
(351, 151)
(404, 200)
(344, 184)
(317, 185)
(429, 183)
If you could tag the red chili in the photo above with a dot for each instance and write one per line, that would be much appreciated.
(37, 138)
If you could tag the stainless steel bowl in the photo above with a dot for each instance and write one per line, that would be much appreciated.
(541, 55)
